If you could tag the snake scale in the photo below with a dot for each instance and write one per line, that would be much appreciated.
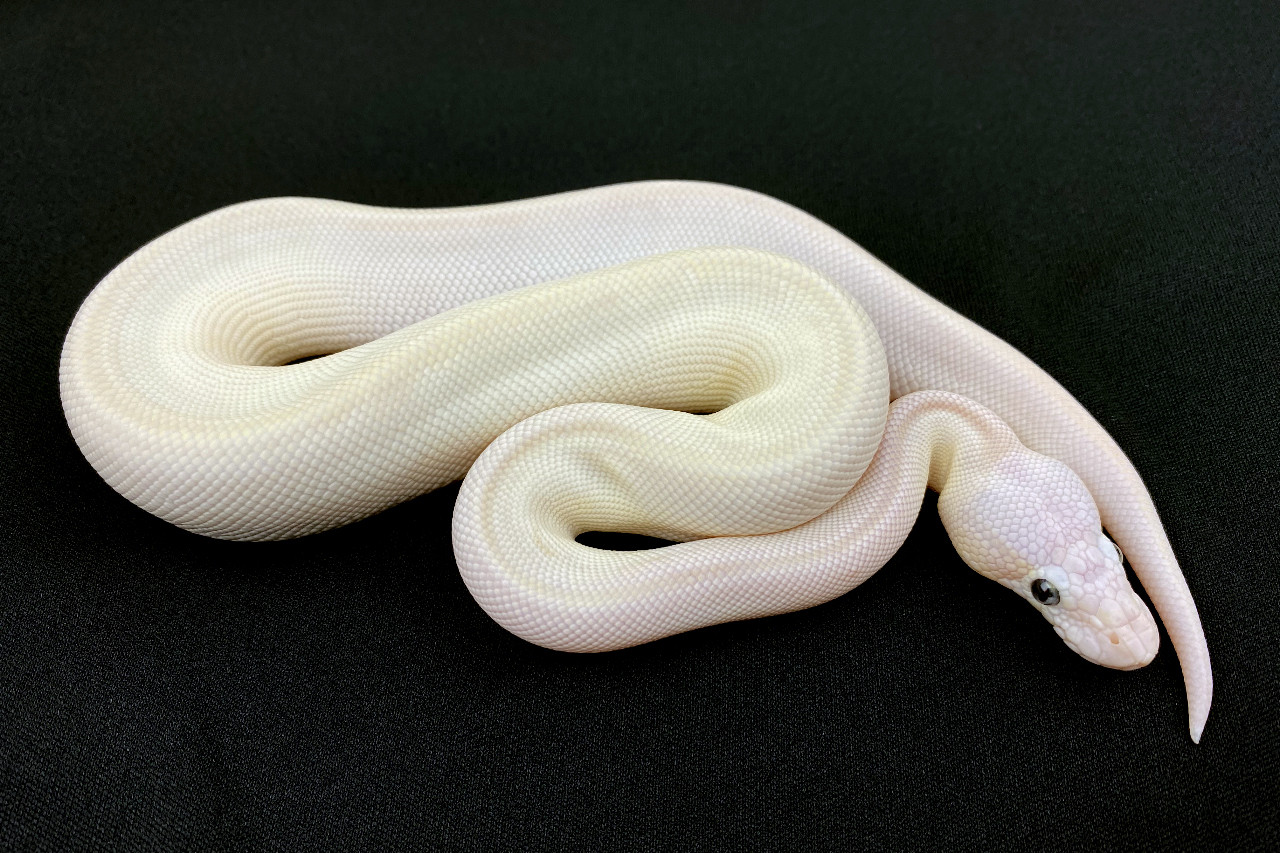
(685, 360)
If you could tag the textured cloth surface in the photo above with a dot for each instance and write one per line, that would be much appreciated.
(1096, 185)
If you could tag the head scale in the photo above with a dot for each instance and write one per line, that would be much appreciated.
(1030, 524)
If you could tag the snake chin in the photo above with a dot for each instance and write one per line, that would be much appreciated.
(1128, 646)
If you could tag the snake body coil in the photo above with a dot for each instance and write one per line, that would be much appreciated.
(572, 336)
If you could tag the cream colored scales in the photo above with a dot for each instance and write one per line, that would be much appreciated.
(571, 336)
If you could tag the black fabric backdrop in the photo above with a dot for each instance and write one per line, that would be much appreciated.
(1095, 182)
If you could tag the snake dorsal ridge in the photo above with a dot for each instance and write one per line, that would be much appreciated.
(179, 354)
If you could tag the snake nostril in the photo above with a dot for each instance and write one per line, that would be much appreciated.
(1114, 637)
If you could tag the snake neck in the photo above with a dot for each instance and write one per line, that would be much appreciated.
(932, 439)
(935, 439)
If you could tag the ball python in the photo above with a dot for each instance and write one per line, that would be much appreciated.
(686, 360)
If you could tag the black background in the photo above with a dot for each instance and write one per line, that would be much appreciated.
(1095, 182)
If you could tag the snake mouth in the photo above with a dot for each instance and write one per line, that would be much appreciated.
(1125, 647)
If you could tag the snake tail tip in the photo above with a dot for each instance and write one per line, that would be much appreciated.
(1197, 729)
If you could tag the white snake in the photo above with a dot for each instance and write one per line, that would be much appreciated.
(607, 321)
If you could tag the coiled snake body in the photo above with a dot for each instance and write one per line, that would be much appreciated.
(671, 358)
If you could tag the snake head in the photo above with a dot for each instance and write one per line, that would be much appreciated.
(1030, 524)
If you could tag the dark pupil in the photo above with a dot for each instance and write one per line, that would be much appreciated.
(1044, 591)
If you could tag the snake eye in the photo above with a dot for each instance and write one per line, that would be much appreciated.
(1115, 547)
(1044, 591)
